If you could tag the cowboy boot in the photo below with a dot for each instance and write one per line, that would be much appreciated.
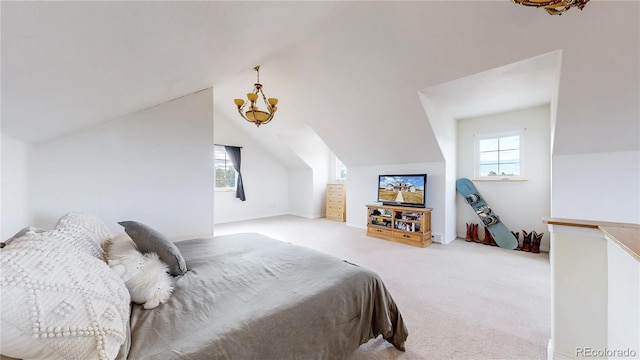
(469, 230)
(537, 239)
(517, 235)
(526, 241)
(477, 236)
(487, 237)
(474, 233)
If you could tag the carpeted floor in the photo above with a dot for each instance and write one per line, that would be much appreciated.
(459, 301)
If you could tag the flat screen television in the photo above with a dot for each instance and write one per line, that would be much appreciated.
(402, 190)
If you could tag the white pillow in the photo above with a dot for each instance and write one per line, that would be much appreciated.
(59, 300)
(86, 231)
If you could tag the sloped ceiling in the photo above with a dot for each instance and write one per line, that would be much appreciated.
(523, 84)
(349, 70)
(69, 65)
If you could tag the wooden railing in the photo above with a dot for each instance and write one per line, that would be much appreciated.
(595, 295)
(626, 235)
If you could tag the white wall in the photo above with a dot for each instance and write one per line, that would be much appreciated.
(362, 189)
(300, 188)
(307, 145)
(265, 180)
(445, 129)
(601, 186)
(14, 209)
(520, 204)
(153, 166)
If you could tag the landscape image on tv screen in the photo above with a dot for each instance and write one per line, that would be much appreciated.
(402, 189)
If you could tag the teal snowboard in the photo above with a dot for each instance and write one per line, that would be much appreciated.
(503, 237)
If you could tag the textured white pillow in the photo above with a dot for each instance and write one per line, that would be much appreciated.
(88, 232)
(59, 299)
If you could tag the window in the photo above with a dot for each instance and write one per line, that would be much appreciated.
(225, 175)
(498, 157)
(341, 170)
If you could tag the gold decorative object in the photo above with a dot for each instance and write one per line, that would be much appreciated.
(253, 114)
(554, 7)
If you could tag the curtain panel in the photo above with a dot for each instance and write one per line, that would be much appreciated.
(235, 157)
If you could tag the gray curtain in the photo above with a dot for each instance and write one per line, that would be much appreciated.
(234, 155)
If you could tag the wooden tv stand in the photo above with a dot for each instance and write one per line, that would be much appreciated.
(407, 225)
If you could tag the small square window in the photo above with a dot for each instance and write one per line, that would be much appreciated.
(498, 157)
(225, 175)
(341, 170)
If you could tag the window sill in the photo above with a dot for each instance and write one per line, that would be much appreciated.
(224, 190)
(501, 179)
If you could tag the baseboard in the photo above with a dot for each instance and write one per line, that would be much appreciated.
(554, 356)
(446, 241)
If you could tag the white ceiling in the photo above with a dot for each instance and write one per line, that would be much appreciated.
(345, 69)
(69, 65)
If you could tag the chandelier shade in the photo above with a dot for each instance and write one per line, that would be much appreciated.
(554, 7)
(253, 114)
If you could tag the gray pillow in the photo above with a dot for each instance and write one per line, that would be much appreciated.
(150, 240)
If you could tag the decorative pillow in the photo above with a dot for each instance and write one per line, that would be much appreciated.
(59, 300)
(150, 240)
(87, 231)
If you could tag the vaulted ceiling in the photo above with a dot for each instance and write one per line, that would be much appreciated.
(351, 71)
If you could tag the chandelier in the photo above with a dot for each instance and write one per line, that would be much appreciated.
(554, 7)
(253, 114)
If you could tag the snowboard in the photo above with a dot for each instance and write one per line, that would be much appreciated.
(503, 236)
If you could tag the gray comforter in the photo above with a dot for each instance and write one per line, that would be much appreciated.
(247, 296)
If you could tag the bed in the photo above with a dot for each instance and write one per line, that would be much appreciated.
(247, 296)
(242, 296)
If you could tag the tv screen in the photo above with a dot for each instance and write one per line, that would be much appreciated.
(404, 190)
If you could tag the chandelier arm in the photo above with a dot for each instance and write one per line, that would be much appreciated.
(268, 119)
(253, 112)
(241, 114)
(264, 98)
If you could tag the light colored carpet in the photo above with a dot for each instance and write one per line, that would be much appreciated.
(459, 301)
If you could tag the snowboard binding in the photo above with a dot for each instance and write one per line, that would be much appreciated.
(472, 198)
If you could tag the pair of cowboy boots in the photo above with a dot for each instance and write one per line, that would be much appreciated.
(531, 241)
(472, 235)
